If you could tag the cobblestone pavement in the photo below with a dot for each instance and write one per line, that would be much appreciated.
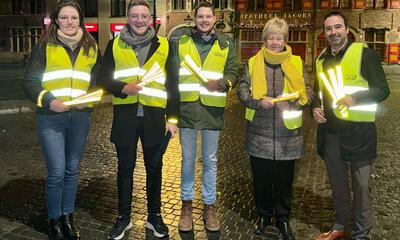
(22, 178)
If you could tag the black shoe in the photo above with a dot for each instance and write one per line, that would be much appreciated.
(285, 229)
(156, 224)
(262, 227)
(122, 224)
(71, 232)
(56, 229)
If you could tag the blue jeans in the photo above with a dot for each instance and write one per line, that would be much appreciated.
(209, 148)
(63, 138)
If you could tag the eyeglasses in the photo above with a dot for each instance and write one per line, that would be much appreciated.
(135, 17)
(66, 18)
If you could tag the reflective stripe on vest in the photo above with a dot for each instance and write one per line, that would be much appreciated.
(64, 80)
(190, 88)
(127, 70)
(353, 82)
(291, 118)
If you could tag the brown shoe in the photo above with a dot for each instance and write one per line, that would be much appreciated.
(186, 219)
(210, 218)
(331, 235)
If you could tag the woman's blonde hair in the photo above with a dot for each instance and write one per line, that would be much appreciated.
(276, 25)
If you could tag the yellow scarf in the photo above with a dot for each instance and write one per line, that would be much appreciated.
(294, 80)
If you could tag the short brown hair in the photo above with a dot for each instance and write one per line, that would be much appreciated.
(206, 5)
(133, 3)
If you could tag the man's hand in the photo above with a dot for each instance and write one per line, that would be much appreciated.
(169, 127)
(212, 85)
(266, 103)
(344, 103)
(319, 115)
(58, 106)
(131, 89)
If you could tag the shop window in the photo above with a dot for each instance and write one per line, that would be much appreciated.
(340, 4)
(17, 36)
(298, 41)
(375, 38)
(251, 44)
(178, 5)
(262, 5)
(36, 7)
(375, 4)
(118, 8)
(17, 7)
(194, 3)
(220, 4)
(292, 5)
(90, 8)
(34, 36)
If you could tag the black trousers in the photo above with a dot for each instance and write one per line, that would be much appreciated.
(126, 165)
(272, 183)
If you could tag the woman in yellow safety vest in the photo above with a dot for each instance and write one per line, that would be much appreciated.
(273, 134)
(60, 69)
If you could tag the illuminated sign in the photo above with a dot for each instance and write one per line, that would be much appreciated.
(46, 21)
(117, 27)
(91, 27)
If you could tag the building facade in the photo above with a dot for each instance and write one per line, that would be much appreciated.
(376, 22)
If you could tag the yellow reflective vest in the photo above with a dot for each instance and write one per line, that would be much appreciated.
(352, 82)
(191, 88)
(64, 80)
(128, 70)
(291, 118)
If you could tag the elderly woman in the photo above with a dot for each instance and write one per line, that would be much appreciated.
(60, 69)
(273, 134)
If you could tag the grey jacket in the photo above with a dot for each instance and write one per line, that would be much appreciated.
(266, 136)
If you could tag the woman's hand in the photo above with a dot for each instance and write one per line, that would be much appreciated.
(266, 103)
(58, 106)
(169, 127)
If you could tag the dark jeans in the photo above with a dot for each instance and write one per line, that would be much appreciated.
(63, 138)
(126, 164)
(272, 183)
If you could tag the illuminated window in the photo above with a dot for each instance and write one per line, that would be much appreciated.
(342, 4)
(220, 4)
(36, 7)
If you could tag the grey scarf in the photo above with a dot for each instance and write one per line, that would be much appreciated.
(139, 43)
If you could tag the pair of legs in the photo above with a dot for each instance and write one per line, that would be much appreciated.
(126, 165)
(209, 148)
(63, 137)
(341, 192)
(272, 183)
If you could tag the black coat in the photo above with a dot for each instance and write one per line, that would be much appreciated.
(357, 140)
(123, 130)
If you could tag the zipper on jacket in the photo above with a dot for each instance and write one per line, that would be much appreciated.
(273, 113)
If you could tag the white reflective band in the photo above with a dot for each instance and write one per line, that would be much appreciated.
(184, 72)
(212, 75)
(141, 72)
(160, 80)
(67, 92)
(367, 108)
(189, 87)
(81, 75)
(350, 89)
(129, 72)
(291, 114)
(320, 95)
(48, 76)
(153, 92)
(204, 91)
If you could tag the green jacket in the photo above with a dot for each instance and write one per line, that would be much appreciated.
(194, 114)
